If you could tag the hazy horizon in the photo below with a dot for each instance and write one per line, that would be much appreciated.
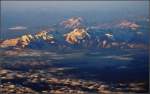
(35, 14)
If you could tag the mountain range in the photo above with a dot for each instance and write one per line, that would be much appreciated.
(75, 33)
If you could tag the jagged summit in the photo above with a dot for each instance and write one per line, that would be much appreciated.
(72, 23)
(128, 24)
(25, 40)
(75, 35)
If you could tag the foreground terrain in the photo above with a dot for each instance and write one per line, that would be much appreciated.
(25, 71)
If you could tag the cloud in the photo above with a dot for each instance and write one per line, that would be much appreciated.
(18, 28)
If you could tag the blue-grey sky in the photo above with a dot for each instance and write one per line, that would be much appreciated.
(71, 4)
(64, 3)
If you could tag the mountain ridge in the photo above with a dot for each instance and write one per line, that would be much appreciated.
(72, 33)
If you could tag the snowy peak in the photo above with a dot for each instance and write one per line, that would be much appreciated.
(25, 40)
(77, 34)
(72, 23)
(128, 24)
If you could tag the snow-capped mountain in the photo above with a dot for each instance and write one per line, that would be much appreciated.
(73, 33)
(72, 23)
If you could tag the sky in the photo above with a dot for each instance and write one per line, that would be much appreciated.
(17, 5)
